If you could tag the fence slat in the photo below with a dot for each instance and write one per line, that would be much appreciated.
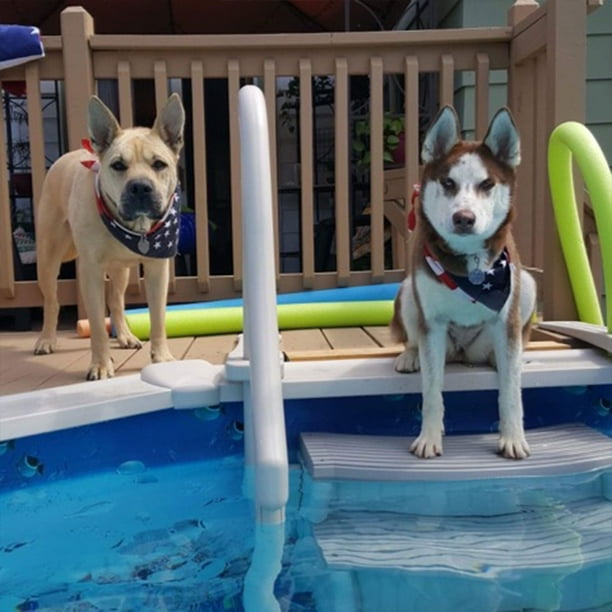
(377, 240)
(126, 118)
(482, 95)
(306, 169)
(233, 85)
(77, 29)
(124, 85)
(535, 211)
(342, 176)
(200, 182)
(35, 131)
(270, 98)
(160, 72)
(7, 276)
(447, 79)
(411, 135)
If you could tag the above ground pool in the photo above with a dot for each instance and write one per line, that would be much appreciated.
(147, 513)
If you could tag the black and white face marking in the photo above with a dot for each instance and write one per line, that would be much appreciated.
(467, 205)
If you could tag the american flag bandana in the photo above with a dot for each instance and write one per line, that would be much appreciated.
(160, 242)
(490, 287)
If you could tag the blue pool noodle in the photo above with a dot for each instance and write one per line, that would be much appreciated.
(363, 293)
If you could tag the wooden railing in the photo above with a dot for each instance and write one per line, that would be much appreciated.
(542, 50)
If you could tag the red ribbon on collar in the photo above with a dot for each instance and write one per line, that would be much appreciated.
(88, 163)
(411, 221)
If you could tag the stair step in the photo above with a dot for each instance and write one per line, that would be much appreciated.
(557, 450)
(569, 537)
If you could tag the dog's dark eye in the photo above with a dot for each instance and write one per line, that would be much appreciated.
(487, 184)
(448, 183)
(118, 165)
(158, 164)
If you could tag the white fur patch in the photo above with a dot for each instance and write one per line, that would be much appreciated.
(490, 209)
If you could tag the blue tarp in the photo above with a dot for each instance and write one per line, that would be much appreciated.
(19, 44)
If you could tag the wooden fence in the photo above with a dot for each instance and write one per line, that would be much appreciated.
(542, 51)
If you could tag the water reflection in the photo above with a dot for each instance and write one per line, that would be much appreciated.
(258, 595)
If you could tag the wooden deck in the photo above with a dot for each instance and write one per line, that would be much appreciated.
(21, 370)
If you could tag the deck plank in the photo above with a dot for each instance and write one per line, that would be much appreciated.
(348, 337)
(307, 339)
(213, 349)
(382, 335)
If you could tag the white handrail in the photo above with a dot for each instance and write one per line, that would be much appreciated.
(265, 436)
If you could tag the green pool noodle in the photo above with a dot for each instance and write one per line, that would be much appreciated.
(227, 320)
(573, 141)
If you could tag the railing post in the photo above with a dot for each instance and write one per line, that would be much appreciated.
(520, 9)
(7, 275)
(77, 28)
(565, 101)
(561, 97)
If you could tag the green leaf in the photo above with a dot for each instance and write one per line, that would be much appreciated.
(392, 140)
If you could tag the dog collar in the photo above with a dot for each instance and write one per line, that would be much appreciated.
(491, 288)
(160, 242)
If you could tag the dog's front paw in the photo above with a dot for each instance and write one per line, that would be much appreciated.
(102, 369)
(408, 361)
(513, 447)
(427, 446)
(161, 354)
(129, 341)
(45, 346)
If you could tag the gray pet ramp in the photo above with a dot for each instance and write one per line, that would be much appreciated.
(558, 450)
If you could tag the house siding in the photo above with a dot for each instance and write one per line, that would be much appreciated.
(483, 13)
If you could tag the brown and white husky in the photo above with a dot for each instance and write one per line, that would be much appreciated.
(465, 297)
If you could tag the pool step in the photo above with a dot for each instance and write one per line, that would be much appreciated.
(563, 535)
(562, 449)
(346, 472)
(502, 562)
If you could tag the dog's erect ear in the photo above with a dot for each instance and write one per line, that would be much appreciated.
(503, 138)
(442, 135)
(102, 125)
(170, 122)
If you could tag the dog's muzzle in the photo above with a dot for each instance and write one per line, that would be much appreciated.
(140, 198)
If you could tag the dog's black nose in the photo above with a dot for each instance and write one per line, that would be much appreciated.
(464, 221)
(140, 197)
(141, 188)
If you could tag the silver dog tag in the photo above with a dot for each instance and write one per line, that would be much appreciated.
(143, 245)
(476, 276)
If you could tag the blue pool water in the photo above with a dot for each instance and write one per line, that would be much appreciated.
(147, 513)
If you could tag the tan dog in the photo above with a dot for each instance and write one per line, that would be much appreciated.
(123, 190)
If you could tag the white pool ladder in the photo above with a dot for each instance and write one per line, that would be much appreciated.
(264, 427)
(267, 467)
